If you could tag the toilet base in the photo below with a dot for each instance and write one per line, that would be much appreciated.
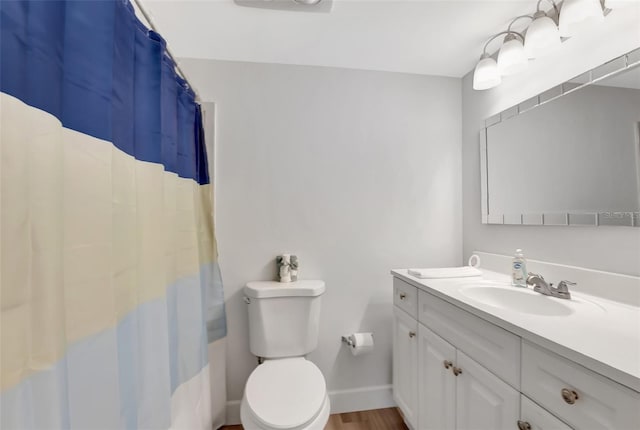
(318, 423)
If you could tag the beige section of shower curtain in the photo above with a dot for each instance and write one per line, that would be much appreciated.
(87, 236)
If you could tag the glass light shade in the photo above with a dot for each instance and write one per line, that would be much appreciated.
(486, 74)
(577, 15)
(542, 37)
(512, 58)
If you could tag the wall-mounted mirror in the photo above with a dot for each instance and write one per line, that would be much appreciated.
(569, 156)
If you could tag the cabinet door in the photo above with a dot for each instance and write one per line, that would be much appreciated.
(405, 369)
(436, 382)
(484, 402)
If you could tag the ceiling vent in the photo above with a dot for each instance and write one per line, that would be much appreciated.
(321, 6)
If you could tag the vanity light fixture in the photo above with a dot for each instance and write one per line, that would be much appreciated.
(576, 15)
(542, 35)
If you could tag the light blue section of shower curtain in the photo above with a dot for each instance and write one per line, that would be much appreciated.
(119, 378)
(214, 303)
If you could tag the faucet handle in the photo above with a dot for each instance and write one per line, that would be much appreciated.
(563, 289)
(532, 276)
(564, 285)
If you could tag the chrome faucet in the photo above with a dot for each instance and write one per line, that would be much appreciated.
(540, 286)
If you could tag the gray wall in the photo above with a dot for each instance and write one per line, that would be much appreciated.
(615, 249)
(356, 172)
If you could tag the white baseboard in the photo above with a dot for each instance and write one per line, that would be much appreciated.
(351, 400)
(233, 412)
(361, 399)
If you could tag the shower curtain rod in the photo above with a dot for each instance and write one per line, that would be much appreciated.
(181, 72)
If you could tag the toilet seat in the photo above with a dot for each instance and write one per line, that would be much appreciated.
(285, 393)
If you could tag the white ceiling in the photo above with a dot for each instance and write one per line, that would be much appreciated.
(420, 36)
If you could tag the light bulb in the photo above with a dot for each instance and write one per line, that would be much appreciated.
(542, 36)
(578, 15)
(512, 58)
(486, 74)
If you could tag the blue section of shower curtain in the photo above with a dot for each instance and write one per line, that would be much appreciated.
(94, 66)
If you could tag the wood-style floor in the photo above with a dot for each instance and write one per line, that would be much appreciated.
(376, 419)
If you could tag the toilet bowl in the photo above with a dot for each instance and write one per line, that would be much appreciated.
(287, 393)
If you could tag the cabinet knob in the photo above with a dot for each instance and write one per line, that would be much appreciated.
(523, 425)
(456, 370)
(412, 334)
(402, 296)
(569, 396)
(447, 364)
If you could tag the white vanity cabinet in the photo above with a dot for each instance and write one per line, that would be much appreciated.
(405, 365)
(405, 350)
(440, 386)
(454, 391)
(453, 370)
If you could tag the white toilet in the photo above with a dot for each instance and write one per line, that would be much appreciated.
(286, 391)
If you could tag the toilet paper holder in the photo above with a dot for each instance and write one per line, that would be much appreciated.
(345, 339)
(348, 341)
(359, 343)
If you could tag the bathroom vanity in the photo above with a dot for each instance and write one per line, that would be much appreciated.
(477, 353)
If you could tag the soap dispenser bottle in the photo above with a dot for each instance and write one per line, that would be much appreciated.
(519, 270)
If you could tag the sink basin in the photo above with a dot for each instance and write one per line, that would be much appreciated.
(517, 300)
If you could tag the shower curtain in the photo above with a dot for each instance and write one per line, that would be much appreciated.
(110, 295)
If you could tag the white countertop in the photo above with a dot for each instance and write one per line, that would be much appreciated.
(599, 334)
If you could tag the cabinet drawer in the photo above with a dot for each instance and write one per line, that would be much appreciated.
(405, 296)
(538, 418)
(600, 403)
(493, 347)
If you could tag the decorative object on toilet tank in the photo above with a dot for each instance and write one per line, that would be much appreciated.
(294, 268)
(287, 267)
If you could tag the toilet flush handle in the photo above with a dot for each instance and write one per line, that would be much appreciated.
(247, 300)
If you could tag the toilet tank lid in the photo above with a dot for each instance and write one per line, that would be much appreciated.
(301, 288)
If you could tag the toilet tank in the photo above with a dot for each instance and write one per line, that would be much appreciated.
(284, 318)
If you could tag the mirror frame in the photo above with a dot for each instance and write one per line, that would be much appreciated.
(629, 219)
